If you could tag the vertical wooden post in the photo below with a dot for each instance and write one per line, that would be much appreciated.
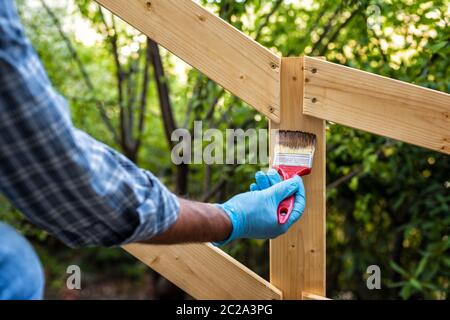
(297, 259)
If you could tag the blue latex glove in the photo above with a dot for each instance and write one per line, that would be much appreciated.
(265, 180)
(254, 214)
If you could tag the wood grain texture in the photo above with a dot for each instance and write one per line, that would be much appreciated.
(204, 271)
(209, 44)
(376, 104)
(297, 259)
(310, 296)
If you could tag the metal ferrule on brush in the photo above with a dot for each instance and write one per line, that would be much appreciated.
(291, 159)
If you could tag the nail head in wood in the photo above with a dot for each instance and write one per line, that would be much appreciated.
(314, 70)
(148, 5)
(314, 100)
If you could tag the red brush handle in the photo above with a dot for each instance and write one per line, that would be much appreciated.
(285, 209)
(287, 205)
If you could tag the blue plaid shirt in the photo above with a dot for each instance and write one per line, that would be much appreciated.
(63, 180)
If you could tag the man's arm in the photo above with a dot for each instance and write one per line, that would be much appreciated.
(197, 222)
(246, 215)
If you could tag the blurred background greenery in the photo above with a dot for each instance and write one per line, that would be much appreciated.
(388, 203)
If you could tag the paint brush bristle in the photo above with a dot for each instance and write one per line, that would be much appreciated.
(294, 148)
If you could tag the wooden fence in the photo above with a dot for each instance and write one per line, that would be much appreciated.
(299, 93)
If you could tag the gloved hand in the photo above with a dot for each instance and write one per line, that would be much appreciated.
(265, 180)
(254, 214)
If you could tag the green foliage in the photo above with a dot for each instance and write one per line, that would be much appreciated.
(388, 202)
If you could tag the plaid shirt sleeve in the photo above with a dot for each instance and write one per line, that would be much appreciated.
(63, 180)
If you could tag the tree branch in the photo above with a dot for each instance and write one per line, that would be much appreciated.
(131, 101)
(198, 87)
(274, 9)
(358, 170)
(327, 28)
(345, 178)
(144, 92)
(70, 47)
(220, 184)
(337, 31)
(87, 80)
(167, 114)
(212, 108)
(163, 92)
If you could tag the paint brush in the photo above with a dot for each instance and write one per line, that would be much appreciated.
(293, 155)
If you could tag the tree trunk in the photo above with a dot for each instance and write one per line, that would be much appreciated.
(170, 125)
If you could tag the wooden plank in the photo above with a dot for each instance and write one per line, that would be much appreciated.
(377, 104)
(209, 44)
(310, 296)
(297, 259)
(204, 271)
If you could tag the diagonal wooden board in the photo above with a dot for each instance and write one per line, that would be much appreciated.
(377, 104)
(209, 44)
(204, 271)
